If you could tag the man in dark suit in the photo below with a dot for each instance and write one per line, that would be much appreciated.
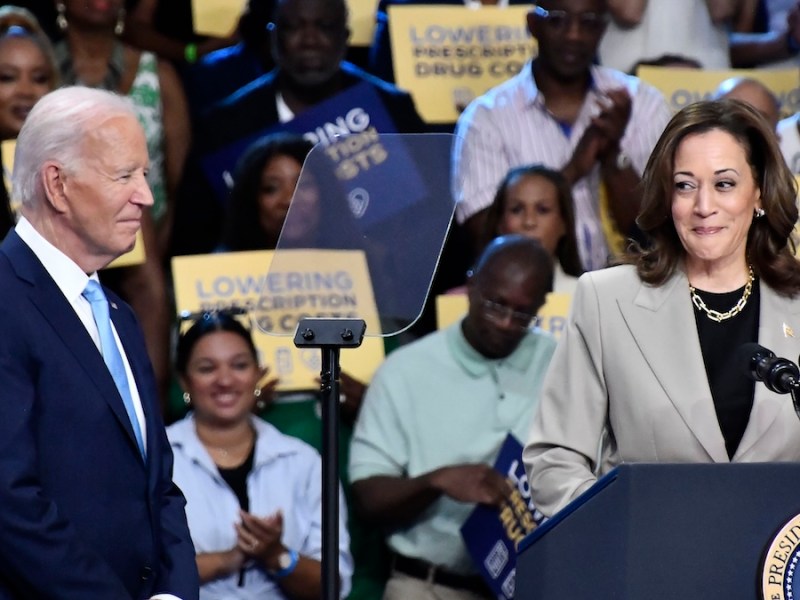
(87, 510)
(309, 43)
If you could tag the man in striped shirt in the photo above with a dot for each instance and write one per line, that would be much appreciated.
(597, 125)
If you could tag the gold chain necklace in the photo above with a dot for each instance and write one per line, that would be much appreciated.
(717, 316)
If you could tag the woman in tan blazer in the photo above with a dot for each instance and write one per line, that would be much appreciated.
(649, 355)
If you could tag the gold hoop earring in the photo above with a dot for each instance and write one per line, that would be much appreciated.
(187, 398)
(119, 28)
(61, 19)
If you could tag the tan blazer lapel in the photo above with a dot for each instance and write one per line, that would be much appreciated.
(779, 331)
(662, 322)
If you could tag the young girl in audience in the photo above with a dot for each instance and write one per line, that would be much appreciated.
(535, 201)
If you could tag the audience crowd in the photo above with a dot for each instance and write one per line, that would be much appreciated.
(555, 154)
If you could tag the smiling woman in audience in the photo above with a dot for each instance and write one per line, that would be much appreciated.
(253, 494)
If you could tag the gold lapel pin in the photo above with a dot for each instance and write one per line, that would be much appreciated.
(788, 331)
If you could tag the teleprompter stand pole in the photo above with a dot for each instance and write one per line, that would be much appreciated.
(330, 335)
(794, 390)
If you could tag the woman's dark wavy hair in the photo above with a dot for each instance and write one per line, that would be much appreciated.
(242, 229)
(770, 247)
(209, 323)
(567, 249)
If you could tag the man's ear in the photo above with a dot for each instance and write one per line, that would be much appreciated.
(55, 186)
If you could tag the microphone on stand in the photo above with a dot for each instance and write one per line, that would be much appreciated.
(780, 375)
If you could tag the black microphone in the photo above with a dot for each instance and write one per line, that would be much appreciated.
(780, 375)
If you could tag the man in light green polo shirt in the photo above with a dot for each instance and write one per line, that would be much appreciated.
(436, 414)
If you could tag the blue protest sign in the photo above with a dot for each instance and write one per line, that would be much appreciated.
(491, 535)
(351, 127)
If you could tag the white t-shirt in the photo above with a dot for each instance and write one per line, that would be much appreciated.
(681, 27)
(790, 141)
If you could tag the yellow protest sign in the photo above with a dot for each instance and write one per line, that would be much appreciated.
(361, 20)
(217, 18)
(309, 283)
(682, 87)
(552, 316)
(134, 257)
(220, 17)
(447, 55)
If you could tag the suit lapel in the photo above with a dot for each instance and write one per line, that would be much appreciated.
(662, 323)
(56, 310)
(779, 331)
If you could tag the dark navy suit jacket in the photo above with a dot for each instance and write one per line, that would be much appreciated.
(82, 515)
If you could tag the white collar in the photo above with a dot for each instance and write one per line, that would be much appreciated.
(69, 277)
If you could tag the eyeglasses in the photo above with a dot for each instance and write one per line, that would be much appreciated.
(560, 20)
(500, 314)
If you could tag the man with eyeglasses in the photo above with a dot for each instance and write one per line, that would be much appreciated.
(436, 414)
(597, 125)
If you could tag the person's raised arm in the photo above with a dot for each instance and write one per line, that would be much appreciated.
(753, 49)
(622, 181)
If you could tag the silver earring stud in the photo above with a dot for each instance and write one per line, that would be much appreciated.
(187, 398)
(760, 212)
(119, 28)
(61, 19)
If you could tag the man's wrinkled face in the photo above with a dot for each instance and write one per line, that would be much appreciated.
(107, 192)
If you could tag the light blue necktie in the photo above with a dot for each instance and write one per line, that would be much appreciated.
(113, 359)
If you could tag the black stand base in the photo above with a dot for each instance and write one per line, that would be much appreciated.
(330, 335)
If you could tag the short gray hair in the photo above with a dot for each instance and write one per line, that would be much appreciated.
(55, 129)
